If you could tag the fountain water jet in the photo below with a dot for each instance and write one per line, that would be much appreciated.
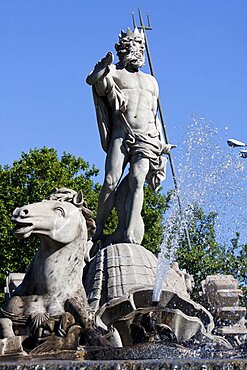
(205, 166)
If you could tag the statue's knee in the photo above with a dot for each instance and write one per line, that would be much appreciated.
(136, 183)
(111, 182)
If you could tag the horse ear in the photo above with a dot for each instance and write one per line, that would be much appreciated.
(78, 199)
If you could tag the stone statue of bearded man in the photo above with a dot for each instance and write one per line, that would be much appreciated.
(126, 107)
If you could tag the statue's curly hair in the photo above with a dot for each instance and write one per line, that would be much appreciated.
(125, 41)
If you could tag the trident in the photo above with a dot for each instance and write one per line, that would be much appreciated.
(148, 28)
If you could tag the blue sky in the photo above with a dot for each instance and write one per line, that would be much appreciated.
(48, 47)
(199, 52)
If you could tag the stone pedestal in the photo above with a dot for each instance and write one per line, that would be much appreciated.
(221, 295)
(11, 346)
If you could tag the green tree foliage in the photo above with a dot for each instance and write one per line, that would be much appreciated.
(207, 257)
(33, 178)
(154, 206)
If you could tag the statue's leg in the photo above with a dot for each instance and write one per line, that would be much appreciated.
(138, 171)
(116, 160)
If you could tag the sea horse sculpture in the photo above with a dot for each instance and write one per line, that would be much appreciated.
(51, 298)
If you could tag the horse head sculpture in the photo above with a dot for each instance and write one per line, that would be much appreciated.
(52, 286)
(55, 218)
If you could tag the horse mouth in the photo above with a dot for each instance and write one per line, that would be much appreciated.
(23, 229)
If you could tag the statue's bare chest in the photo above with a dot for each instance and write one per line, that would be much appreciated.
(136, 81)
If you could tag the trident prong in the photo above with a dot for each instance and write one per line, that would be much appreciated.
(142, 26)
(149, 23)
(133, 19)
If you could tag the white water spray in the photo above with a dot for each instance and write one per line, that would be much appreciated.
(210, 176)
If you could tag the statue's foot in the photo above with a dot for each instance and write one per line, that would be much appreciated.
(130, 238)
(101, 69)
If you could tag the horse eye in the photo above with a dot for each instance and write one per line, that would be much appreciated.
(59, 211)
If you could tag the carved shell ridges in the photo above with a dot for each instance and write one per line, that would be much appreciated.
(118, 269)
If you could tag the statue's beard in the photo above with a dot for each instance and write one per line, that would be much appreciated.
(133, 59)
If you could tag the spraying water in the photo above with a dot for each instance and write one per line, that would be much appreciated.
(211, 176)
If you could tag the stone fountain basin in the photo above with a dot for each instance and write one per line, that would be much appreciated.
(139, 357)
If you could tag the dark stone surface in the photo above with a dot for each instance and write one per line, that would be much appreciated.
(149, 356)
(167, 364)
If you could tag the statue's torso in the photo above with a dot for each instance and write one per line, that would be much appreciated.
(141, 92)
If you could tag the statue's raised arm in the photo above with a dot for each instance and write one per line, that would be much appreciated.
(100, 70)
